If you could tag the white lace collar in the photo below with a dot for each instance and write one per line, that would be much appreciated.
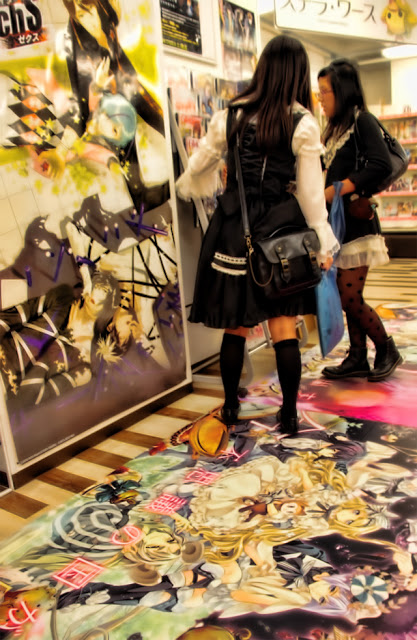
(334, 144)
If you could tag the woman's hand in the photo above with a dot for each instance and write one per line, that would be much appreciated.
(347, 187)
(326, 264)
(329, 194)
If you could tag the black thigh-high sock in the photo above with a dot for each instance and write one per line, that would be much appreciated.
(288, 358)
(231, 364)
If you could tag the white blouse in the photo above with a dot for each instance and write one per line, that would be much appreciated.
(201, 177)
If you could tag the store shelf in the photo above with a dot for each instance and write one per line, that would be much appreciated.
(398, 206)
(392, 194)
(399, 116)
(396, 220)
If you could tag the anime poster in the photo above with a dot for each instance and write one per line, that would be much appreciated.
(90, 317)
(181, 24)
(237, 32)
(230, 534)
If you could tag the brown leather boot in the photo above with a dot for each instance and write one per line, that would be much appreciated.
(387, 359)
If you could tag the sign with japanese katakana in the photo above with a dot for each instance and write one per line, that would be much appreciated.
(394, 20)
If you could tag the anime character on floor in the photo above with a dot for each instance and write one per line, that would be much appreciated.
(46, 342)
(121, 486)
(211, 632)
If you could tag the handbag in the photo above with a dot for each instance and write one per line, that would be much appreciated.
(398, 157)
(361, 207)
(285, 262)
(337, 213)
(329, 313)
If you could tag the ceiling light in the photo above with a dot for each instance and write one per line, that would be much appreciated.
(402, 51)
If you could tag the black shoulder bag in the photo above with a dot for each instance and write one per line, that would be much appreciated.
(285, 262)
(360, 206)
(398, 157)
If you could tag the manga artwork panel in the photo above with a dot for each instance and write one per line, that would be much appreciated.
(90, 315)
(265, 537)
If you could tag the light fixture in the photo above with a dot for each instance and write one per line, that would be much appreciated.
(402, 51)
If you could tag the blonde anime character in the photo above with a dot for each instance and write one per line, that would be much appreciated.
(399, 17)
(315, 501)
(226, 504)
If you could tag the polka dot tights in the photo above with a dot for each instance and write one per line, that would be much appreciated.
(362, 319)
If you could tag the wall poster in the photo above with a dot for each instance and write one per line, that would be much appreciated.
(237, 32)
(181, 24)
(91, 320)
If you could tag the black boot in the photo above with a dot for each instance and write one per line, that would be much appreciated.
(230, 415)
(387, 360)
(354, 366)
(287, 425)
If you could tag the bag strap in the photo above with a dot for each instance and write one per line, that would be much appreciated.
(355, 138)
(389, 139)
(242, 197)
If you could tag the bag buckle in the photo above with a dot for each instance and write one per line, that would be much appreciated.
(285, 268)
(313, 257)
(311, 253)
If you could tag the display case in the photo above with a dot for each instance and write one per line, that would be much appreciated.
(398, 204)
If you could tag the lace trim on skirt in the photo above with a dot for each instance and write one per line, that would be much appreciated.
(368, 251)
(229, 264)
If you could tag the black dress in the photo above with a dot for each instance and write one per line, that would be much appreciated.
(225, 295)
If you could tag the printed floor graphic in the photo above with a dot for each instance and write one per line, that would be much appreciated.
(240, 534)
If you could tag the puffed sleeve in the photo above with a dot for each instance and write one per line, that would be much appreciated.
(307, 148)
(201, 178)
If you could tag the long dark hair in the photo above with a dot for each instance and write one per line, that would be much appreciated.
(282, 76)
(348, 92)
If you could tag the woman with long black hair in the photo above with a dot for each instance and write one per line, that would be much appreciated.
(280, 149)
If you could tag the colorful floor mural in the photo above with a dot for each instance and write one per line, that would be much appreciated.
(393, 401)
(242, 533)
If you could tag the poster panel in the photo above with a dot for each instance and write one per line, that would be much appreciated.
(393, 20)
(237, 32)
(91, 319)
(181, 24)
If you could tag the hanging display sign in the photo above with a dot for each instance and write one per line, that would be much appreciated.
(392, 20)
(91, 321)
(181, 24)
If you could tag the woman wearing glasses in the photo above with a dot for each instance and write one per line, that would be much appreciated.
(279, 153)
(342, 99)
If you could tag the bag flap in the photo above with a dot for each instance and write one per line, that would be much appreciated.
(290, 245)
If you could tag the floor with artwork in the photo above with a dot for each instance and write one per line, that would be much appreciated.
(178, 529)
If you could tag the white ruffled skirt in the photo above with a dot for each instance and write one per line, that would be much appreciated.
(368, 251)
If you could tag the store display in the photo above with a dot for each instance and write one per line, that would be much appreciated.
(398, 203)
(195, 97)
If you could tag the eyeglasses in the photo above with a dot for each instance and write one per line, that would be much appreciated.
(322, 92)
